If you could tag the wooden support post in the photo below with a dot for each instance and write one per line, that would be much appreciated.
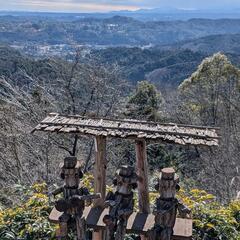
(142, 171)
(100, 176)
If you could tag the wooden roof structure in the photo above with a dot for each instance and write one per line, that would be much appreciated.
(133, 129)
(141, 132)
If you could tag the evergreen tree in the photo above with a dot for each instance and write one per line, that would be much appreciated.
(145, 102)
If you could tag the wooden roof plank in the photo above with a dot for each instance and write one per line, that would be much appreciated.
(130, 129)
(190, 134)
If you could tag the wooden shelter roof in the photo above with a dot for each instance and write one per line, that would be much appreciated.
(127, 128)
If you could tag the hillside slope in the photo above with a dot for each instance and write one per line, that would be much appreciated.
(117, 30)
(227, 43)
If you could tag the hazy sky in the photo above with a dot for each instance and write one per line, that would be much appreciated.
(108, 5)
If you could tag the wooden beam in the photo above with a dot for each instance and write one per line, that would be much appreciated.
(100, 169)
(100, 177)
(142, 171)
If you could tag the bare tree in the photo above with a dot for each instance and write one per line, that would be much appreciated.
(86, 88)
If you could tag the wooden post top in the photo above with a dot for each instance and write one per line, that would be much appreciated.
(168, 174)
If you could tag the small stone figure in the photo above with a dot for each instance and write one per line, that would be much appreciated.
(73, 202)
(167, 205)
(121, 203)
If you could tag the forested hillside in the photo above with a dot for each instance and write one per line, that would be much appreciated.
(177, 71)
(165, 68)
(117, 30)
(228, 43)
(137, 64)
(32, 88)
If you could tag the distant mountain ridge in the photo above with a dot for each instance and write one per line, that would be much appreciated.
(113, 31)
(163, 52)
(227, 43)
(154, 14)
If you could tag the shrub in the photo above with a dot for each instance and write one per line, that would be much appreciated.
(29, 219)
(212, 220)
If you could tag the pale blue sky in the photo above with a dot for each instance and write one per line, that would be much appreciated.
(109, 5)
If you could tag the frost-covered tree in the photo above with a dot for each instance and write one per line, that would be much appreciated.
(211, 97)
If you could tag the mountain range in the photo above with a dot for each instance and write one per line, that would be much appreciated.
(155, 14)
(163, 52)
(114, 31)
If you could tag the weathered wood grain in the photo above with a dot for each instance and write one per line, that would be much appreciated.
(100, 169)
(142, 172)
(100, 176)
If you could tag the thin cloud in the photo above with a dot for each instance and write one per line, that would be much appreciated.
(109, 5)
(66, 5)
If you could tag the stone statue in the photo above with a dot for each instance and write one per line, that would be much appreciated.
(120, 203)
(167, 205)
(73, 202)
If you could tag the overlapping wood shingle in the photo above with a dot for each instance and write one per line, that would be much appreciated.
(127, 128)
